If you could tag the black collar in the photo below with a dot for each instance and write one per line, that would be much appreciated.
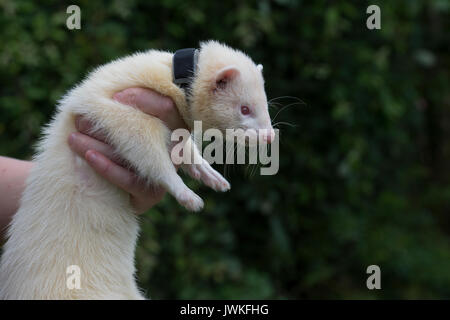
(184, 65)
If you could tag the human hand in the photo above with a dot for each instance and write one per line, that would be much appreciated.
(100, 155)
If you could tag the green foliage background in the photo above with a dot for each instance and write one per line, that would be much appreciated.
(364, 173)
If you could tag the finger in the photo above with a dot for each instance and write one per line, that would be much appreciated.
(112, 172)
(153, 192)
(152, 103)
(147, 198)
(81, 143)
(158, 193)
(85, 126)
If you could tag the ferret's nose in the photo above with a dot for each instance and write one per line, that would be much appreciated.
(269, 135)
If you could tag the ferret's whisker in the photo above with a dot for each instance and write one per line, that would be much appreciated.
(284, 123)
(247, 168)
(235, 156)
(284, 108)
(227, 152)
(287, 97)
(275, 103)
(273, 106)
(254, 169)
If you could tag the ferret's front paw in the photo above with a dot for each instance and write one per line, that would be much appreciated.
(208, 176)
(190, 200)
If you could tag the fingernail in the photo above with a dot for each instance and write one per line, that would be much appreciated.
(72, 138)
(127, 96)
(118, 96)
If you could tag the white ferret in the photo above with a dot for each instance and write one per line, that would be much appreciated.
(70, 216)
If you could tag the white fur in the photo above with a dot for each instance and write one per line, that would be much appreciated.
(71, 216)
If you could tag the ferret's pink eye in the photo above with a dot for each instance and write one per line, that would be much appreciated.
(245, 110)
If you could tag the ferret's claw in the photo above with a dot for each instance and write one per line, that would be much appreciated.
(190, 200)
(208, 176)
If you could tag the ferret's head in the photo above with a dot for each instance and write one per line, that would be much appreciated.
(228, 92)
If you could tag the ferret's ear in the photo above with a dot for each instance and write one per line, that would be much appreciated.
(260, 67)
(224, 76)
